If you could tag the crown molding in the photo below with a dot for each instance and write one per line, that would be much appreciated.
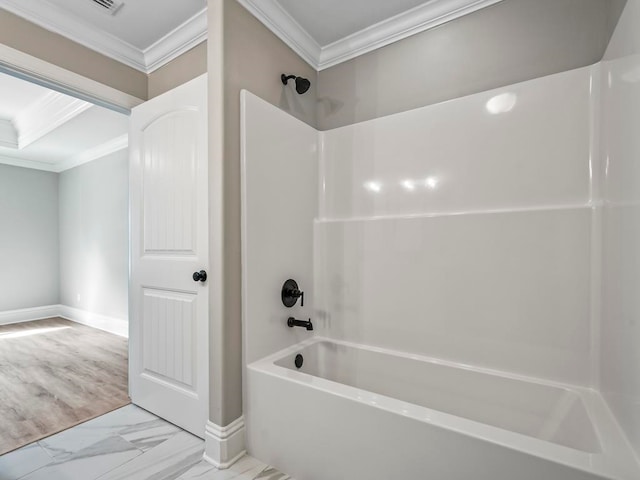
(107, 148)
(278, 20)
(411, 22)
(178, 41)
(429, 15)
(55, 109)
(8, 134)
(65, 23)
(33, 164)
(36, 121)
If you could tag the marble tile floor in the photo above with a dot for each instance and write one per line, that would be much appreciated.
(128, 443)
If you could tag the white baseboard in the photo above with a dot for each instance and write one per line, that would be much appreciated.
(113, 325)
(27, 314)
(224, 446)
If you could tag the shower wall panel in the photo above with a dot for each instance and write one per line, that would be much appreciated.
(522, 146)
(620, 329)
(463, 230)
(280, 201)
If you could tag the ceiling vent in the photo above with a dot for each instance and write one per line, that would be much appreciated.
(108, 6)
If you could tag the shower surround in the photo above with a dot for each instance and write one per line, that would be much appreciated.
(460, 265)
(462, 230)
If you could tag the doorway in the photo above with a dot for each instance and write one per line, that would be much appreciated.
(64, 261)
(184, 112)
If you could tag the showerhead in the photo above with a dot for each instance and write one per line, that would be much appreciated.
(302, 84)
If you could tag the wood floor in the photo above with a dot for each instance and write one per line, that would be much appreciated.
(55, 374)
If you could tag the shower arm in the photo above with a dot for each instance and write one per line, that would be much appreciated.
(286, 78)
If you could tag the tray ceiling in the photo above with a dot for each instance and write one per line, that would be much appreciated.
(47, 130)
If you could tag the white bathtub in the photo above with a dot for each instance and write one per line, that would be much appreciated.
(356, 412)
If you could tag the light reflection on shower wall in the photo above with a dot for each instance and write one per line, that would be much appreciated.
(463, 230)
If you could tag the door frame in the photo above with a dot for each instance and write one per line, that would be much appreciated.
(35, 70)
(223, 444)
(41, 72)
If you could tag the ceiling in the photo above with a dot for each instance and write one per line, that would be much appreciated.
(22, 95)
(47, 130)
(140, 34)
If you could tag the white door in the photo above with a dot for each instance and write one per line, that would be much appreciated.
(168, 366)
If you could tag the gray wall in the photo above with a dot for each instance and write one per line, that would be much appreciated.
(243, 54)
(254, 59)
(27, 37)
(94, 222)
(187, 66)
(510, 42)
(29, 268)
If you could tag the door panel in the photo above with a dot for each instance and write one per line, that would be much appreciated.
(169, 242)
(169, 179)
(169, 321)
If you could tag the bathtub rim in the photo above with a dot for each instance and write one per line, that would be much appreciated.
(616, 460)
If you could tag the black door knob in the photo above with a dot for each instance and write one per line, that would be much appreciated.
(200, 276)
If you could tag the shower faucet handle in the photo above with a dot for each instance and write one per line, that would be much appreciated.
(290, 293)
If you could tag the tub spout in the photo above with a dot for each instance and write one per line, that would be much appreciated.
(292, 322)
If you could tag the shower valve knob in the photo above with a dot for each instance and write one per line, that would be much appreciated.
(290, 294)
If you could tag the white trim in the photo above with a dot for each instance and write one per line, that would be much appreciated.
(178, 41)
(19, 162)
(117, 326)
(65, 23)
(411, 22)
(100, 151)
(421, 18)
(278, 20)
(8, 134)
(107, 148)
(53, 110)
(460, 213)
(28, 314)
(269, 12)
(224, 446)
(49, 74)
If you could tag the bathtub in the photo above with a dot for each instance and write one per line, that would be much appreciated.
(356, 412)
